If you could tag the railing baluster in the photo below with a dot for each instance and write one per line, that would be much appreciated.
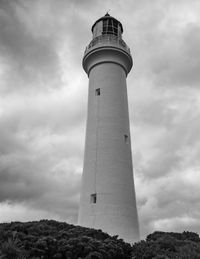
(107, 39)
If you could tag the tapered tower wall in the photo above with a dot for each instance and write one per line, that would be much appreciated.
(108, 194)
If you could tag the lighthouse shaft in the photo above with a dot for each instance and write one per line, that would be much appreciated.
(108, 195)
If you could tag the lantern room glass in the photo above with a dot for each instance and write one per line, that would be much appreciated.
(110, 26)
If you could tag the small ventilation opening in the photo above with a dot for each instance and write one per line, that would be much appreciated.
(97, 91)
(93, 198)
(126, 139)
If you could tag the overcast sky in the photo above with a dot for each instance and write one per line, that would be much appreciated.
(43, 103)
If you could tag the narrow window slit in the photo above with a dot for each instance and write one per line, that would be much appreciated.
(93, 198)
(97, 91)
(126, 139)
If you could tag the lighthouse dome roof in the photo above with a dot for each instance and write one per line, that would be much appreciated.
(106, 17)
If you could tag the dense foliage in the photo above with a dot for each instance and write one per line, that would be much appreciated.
(52, 239)
(59, 240)
(163, 245)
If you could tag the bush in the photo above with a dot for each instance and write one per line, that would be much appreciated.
(52, 239)
(47, 239)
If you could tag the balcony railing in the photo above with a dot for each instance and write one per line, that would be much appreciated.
(106, 40)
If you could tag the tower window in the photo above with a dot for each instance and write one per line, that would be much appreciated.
(93, 198)
(110, 26)
(97, 91)
(126, 139)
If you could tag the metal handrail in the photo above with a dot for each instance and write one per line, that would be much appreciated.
(107, 40)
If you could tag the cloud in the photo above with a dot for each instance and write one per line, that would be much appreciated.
(178, 223)
(165, 42)
(41, 125)
(167, 170)
(166, 203)
(41, 154)
(177, 65)
(43, 107)
(20, 212)
(40, 177)
(27, 58)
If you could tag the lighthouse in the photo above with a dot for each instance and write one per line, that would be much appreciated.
(107, 199)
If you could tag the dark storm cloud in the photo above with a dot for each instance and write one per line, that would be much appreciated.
(42, 180)
(26, 131)
(41, 193)
(37, 131)
(42, 132)
(29, 58)
(40, 154)
(18, 184)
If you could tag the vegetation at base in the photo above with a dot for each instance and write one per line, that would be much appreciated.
(168, 245)
(59, 240)
(51, 239)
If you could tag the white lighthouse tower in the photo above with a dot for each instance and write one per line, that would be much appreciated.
(108, 194)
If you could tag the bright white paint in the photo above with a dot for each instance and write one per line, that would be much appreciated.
(108, 171)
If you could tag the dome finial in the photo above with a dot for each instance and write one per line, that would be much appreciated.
(107, 14)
